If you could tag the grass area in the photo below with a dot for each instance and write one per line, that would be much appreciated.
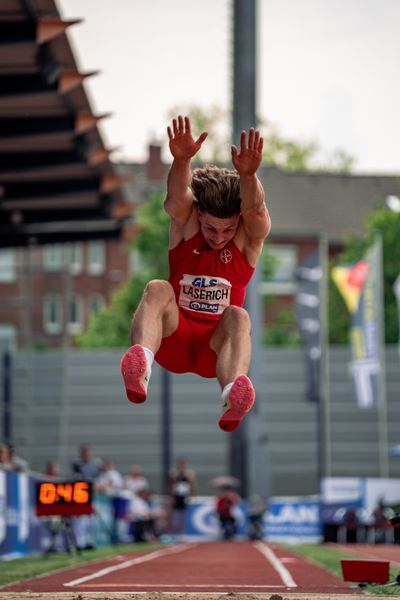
(20, 569)
(329, 558)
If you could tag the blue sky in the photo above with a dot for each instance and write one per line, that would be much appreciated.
(327, 71)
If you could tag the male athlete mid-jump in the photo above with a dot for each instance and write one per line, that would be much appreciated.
(194, 322)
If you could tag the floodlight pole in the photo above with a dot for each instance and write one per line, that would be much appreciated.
(165, 428)
(7, 434)
(382, 403)
(396, 289)
(323, 409)
(246, 443)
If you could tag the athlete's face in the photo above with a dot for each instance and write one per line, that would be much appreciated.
(218, 232)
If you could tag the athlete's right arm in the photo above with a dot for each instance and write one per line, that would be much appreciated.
(179, 200)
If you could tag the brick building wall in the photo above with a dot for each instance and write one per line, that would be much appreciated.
(53, 289)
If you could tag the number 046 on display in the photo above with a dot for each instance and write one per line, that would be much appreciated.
(68, 498)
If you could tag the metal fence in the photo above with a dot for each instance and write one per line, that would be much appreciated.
(62, 399)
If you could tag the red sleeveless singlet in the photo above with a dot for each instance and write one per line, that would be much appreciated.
(206, 281)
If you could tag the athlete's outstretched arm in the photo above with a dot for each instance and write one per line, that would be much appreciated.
(179, 201)
(255, 216)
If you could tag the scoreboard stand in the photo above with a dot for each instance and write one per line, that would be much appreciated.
(56, 525)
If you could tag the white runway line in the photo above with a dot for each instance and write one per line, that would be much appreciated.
(129, 563)
(162, 586)
(276, 563)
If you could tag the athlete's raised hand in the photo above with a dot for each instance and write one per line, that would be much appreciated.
(181, 142)
(247, 161)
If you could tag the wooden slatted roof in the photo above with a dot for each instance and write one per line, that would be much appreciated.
(57, 182)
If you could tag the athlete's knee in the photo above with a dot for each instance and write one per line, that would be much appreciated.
(237, 317)
(160, 290)
(234, 324)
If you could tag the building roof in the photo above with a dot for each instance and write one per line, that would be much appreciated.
(57, 182)
(300, 203)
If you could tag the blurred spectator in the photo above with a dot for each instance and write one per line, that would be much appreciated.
(256, 510)
(52, 470)
(135, 481)
(5, 459)
(86, 467)
(18, 464)
(60, 534)
(145, 518)
(225, 504)
(351, 524)
(381, 524)
(182, 485)
(109, 481)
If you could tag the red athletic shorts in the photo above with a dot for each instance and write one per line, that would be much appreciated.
(187, 350)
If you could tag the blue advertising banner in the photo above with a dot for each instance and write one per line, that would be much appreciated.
(19, 527)
(294, 520)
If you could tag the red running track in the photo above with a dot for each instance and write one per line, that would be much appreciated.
(195, 567)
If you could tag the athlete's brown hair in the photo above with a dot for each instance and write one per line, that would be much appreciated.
(216, 191)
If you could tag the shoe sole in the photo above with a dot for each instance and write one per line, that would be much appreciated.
(133, 370)
(241, 399)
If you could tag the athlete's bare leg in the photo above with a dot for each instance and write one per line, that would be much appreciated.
(157, 315)
(232, 344)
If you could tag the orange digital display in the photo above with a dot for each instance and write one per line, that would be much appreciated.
(68, 498)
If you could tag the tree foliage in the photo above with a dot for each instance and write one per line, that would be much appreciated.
(284, 152)
(110, 327)
(213, 120)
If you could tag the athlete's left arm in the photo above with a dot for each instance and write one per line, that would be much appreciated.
(255, 216)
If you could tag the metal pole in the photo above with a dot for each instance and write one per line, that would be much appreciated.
(323, 418)
(244, 67)
(324, 459)
(382, 407)
(244, 117)
(396, 289)
(166, 427)
(7, 435)
(249, 459)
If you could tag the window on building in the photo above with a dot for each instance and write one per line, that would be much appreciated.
(96, 257)
(283, 262)
(285, 258)
(96, 303)
(8, 270)
(52, 314)
(53, 259)
(8, 337)
(75, 321)
(73, 257)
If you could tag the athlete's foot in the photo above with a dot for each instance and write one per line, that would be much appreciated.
(135, 373)
(239, 401)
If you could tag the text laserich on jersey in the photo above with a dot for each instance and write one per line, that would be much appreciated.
(204, 294)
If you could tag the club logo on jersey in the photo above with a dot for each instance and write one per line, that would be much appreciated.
(204, 294)
(226, 256)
